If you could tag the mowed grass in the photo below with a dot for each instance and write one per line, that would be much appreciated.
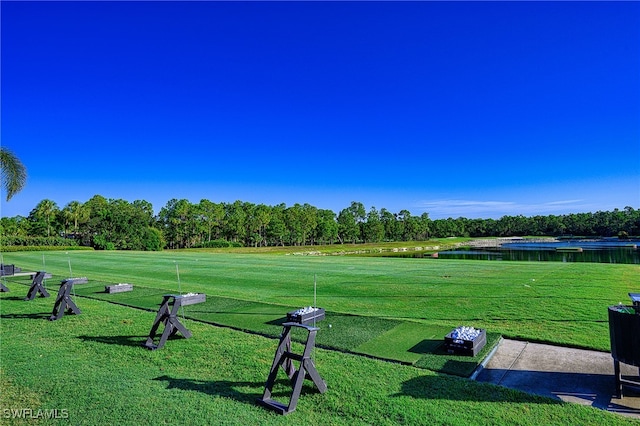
(391, 339)
(92, 369)
(559, 303)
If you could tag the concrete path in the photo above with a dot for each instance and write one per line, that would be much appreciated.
(571, 375)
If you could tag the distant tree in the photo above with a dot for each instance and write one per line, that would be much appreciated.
(633, 220)
(423, 227)
(176, 221)
(43, 217)
(120, 225)
(308, 222)
(327, 229)
(347, 226)
(359, 213)
(153, 239)
(17, 226)
(409, 226)
(295, 222)
(132, 222)
(276, 232)
(253, 236)
(74, 214)
(97, 227)
(235, 218)
(262, 217)
(212, 215)
(373, 227)
(390, 225)
(350, 222)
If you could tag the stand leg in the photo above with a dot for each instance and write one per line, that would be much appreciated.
(287, 365)
(171, 327)
(315, 376)
(163, 312)
(57, 313)
(168, 329)
(60, 305)
(298, 381)
(278, 360)
(72, 308)
(616, 369)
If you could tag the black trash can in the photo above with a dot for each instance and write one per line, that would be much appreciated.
(624, 335)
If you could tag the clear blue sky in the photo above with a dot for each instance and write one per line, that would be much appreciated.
(451, 108)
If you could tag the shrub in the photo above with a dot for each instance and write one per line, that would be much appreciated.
(7, 249)
(153, 240)
(100, 243)
(38, 241)
(219, 244)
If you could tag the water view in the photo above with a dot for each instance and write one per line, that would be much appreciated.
(599, 251)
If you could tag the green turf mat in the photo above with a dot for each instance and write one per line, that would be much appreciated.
(407, 342)
(403, 341)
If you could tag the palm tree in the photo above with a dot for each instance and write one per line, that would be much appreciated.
(77, 213)
(13, 173)
(44, 213)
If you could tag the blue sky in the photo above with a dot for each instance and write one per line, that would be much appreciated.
(473, 109)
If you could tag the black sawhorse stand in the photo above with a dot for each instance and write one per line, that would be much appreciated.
(3, 288)
(169, 317)
(37, 286)
(283, 359)
(64, 301)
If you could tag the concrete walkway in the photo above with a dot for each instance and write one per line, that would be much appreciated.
(571, 375)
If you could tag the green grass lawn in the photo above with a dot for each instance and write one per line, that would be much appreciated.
(391, 339)
(394, 309)
(560, 303)
(92, 369)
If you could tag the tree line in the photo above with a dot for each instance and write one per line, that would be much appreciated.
(110, 224)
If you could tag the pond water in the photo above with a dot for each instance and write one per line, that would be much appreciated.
(599, 251)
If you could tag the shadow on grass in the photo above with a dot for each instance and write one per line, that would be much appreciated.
(426, 346)
(136, 341)
(222, 388)
(239, 313)
(441, 361)
(277, 322)
(450, 388)
(40, 315)
(587, 388)
(15, 298)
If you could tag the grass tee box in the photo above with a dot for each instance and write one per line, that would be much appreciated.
(465, 347)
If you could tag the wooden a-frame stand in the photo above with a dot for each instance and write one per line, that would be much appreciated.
(169, 317)
(37, 286)
(283, 359)
(64, 301)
